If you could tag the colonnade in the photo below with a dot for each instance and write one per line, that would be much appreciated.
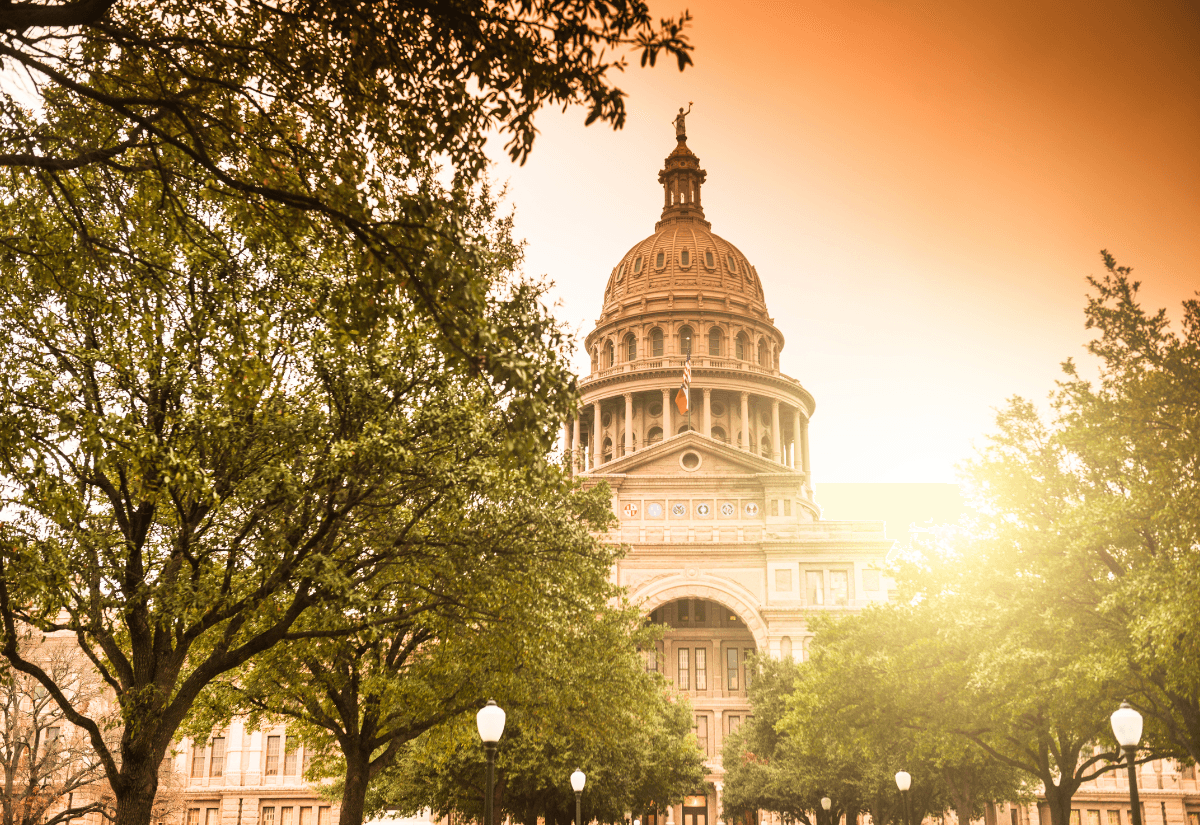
(794, 454)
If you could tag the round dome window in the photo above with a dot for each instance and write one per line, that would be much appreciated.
(690, 461)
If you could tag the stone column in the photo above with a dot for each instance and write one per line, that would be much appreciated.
(745, 421)
(708, 412)
(628, 423)
(775, 437)
(575, 449)
(668, 430)
(597, 437)
(566, 442)
(719, 787)
(804, 452)
(796, 438)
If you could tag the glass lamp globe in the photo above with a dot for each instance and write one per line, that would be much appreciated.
(903, 780)
(1126, 725)
(577, 781)
(826, 802)
(490, 721)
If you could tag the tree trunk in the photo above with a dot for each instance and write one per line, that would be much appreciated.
(135, 806)
(354, 792)
(1058, 799)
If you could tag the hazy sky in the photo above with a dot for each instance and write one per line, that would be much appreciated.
(923, 188)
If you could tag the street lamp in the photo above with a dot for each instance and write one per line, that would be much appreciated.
(826, 803)
(577, 782)
(903, 783)
(490, 722)
(1127, 727)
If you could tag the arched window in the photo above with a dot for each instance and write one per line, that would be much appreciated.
(718, 433)
(683, 428)
(656, 343)
(654, 436)
(609, 356)
(660, 260)
(607, 450)
(762, 353)
(708, 259)
(630, 347)
(685, 340)
(741, 346)
(685, 258)
(637, 265)
(714, 342)
(766, 447)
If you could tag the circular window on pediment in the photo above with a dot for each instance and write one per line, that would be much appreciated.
(690, 461)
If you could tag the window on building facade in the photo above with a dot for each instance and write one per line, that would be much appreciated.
(289, 756)
(714, 342)
(839, 592)
(1114, 818)
(731, 668)
(1093, 817)
(306, 815)
(660, 260)
(652, 660)
(51, 741)
(763, 354)
(656, 343)
(685, 259)
(197, 759)
(1076, 818)
(268, 815)
(286, 816)
(699, 611)
(701, 669)
(210, 816)
(216, 764)
(735, 722)
(746, 666)
(685, 340)
(654, 435)
(740, 347)
(608, 355)
(683, 671)
(323, 811)
(272, 756)
(607, 450)
(814, 587)
(709, 261)
(718, 433)
(193, 816)
(637, 265)
(630, 348)
(702, 733)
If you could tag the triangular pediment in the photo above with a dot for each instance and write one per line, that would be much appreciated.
(666, 458)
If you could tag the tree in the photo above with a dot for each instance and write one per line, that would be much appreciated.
(50, 771)
(319, 117)
(209, 427)
(581, 699)
(443, 635)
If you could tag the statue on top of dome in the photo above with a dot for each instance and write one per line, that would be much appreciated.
(680, 125)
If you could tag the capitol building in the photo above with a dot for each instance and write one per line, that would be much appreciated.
(727, 549)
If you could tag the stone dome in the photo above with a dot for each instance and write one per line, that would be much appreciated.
(684, 257)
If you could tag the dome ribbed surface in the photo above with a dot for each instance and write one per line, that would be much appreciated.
(683, 257)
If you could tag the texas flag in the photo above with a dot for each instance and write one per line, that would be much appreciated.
(684, 394)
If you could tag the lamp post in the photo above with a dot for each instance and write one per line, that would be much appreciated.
(826, 804)
(577, 781)
(1127, 727)
(903, 783)
(490, 722)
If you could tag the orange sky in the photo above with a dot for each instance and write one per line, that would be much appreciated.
(923, 188)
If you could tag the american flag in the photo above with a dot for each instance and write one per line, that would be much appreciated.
(684, 395)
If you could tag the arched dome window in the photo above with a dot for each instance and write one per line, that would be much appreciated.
(685, 257)
(660, 260)
(763, 355)
(637, 265)
(714, 342)
(685, 340)
(656, 343)
(709, 261)
(609, 355)
(718, 433)
(741, 346)
(654, 436)
(630, 347)
(729, 260)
